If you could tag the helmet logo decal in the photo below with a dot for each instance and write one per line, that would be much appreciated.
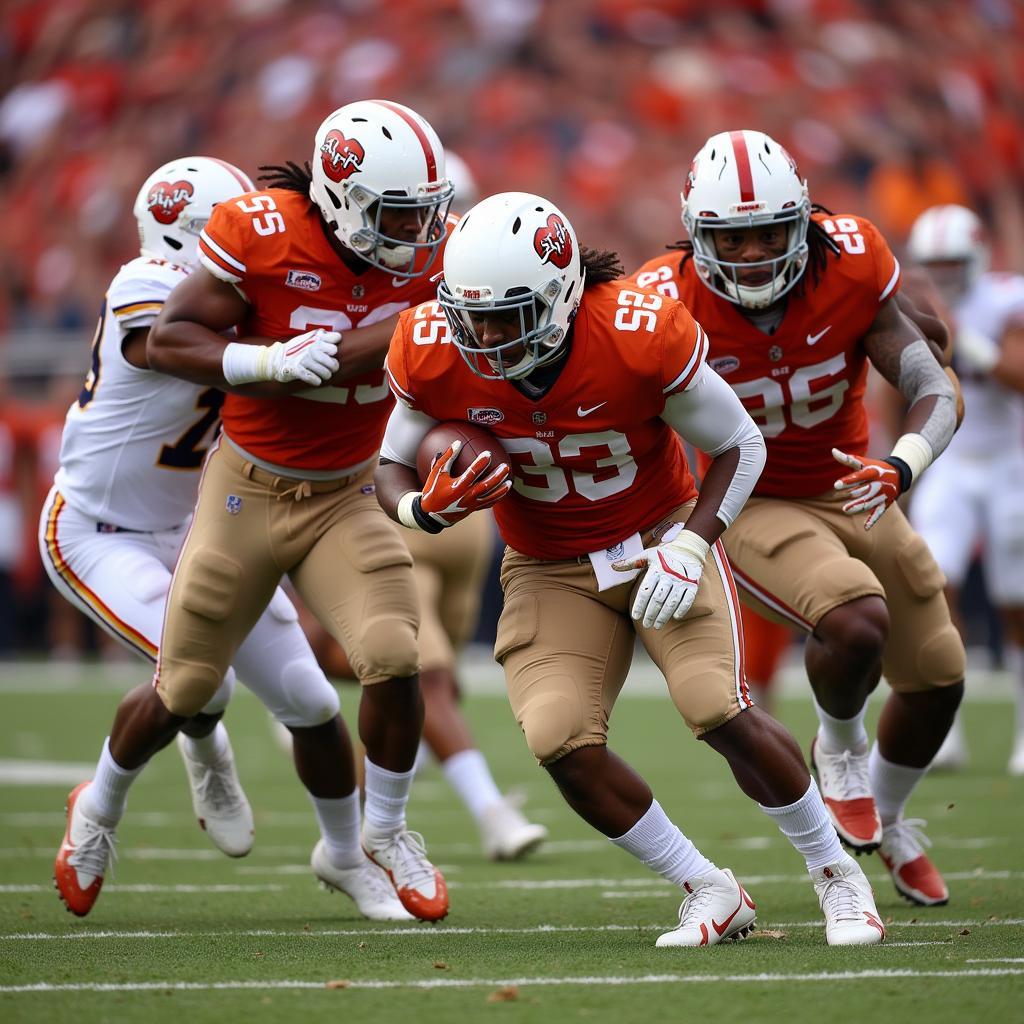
(166, 201)
(691, 178)
(553, 243)
(341, 157)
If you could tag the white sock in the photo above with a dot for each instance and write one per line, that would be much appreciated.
(422, 758)
(339, 828)
(387, 793)
(470, 777)
(1014, 659)
(838, 734)
(891, 785)
(807, 826)
(208, 749)
(107, 797)
(656, 842)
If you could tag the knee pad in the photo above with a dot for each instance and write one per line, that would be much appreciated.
(308, 698)
(210, 584)
(387, 650)
(186, 688)
(941, 658)
(550, 721)
(219, 701)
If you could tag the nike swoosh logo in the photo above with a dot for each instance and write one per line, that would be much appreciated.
(813, 339)
(725, 924)
(580, 411)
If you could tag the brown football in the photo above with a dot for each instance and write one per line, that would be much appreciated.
(475, 440)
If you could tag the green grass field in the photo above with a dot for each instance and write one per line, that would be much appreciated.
(183, 933)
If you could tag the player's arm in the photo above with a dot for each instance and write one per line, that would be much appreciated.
(1002, 360)
(187, 340)
(920, 309)
(898, 351)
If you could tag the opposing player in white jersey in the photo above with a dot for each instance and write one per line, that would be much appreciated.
(110, 534)
(975, 494)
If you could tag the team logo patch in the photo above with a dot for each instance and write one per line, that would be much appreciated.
(775, 353)
(166, 200)
(233, 504)
(724, 364)
(358, 291)
(304, 279)
(368, 489)
(553, 243)
(341, 157)
(484, 415)
(539, 419)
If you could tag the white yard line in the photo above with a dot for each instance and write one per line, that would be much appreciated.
(442, 983)
(154, 888)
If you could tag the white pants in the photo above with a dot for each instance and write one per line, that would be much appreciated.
(120, 580)
(961, 505)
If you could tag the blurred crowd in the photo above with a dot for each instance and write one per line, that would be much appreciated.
(888, 108)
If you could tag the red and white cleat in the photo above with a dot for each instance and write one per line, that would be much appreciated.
(83, 858)
(916, 878)
(846, 791)
(844, 892)
(420, 886)
(716, 909)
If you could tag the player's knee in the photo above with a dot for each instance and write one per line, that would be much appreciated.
(857, 630)
(310, 699)
(219, 701)
(941, 658)
(708, 702)
(549, 722)
(187, 689)
(388, 649)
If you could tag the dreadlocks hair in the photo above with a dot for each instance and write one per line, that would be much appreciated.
(288, 176)
(819, 245)
(601, 265)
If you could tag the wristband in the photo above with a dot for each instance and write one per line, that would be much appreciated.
(405, 514)
(244, 364)
(914, 452)
(690, 544)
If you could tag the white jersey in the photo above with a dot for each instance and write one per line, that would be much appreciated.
(134, 441)
(994, 418)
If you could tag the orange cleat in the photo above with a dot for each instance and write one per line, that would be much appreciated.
(846, 791)
(903, 852)
(84, 856)
(419, 885)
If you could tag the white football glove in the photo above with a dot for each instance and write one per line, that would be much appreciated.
(309, 358)
(670, 583)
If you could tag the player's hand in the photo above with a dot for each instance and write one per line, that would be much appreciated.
(310, 358)
(670, 584)
(874, 485)
(447, 499)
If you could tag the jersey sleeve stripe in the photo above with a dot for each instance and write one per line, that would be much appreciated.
(212, 249)
(135, 308)
(400, 393)
(892, 281)
(699, 354)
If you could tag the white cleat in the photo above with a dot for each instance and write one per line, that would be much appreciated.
(952, 755)
(219, 802)
(716, 909)
(505, 832)
(1016, 765)
(846, 792)
(844, 892)
(366, 885)
(85, 855)
(419, 885)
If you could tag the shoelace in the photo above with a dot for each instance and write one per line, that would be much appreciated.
(847, 772)
(412, 868)
(841, 900)
(216, 786)
(96, 852)
(904, 840)
(693, 909)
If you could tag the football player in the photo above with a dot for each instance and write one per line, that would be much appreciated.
(110, 534)
(797, 301)
(593, 382)
(975, 495)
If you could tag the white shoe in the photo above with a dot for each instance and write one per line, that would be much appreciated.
(419, 885)
(219, 802)
(367, 885)
(716, 909)
(903, 852)
(84, 856)
(1016, 765)
(846, 791)
(506, 834)
(952, 755)
(844, 892)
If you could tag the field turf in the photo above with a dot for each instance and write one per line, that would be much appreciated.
(182, 933)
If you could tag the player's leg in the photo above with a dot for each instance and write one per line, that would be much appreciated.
(702, 659)
(357, 580)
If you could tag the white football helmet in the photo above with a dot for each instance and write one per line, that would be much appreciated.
(512, 252)
(372, 156)
(467, 192)
(742, 179)
(176, 201)
(953, 235)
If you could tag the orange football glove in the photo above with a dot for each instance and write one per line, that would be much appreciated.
(874, 485)
(446, 499)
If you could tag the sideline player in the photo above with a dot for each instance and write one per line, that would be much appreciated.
(326, 256)
(110, 534)
(797, 301)
(975, 494)
(592, 383)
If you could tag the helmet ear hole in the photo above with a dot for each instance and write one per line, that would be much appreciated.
(172, 242)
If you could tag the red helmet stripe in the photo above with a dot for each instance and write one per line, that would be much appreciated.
(428, 150)
(247, 185)
(739, 149)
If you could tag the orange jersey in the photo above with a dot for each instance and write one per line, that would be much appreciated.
(804, 384)
(272, 245)
(593, 462)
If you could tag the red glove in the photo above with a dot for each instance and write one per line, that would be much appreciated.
(874, 486)
(446, 499)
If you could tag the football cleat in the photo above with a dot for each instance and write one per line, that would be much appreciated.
(846, 791)
(83, 858)
(219, 802)
(952, 755)
(420, 886)
(506, 834)
(716, 909)
(1016, 765)
(366, 884)
(916, 878)
(848, 903)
